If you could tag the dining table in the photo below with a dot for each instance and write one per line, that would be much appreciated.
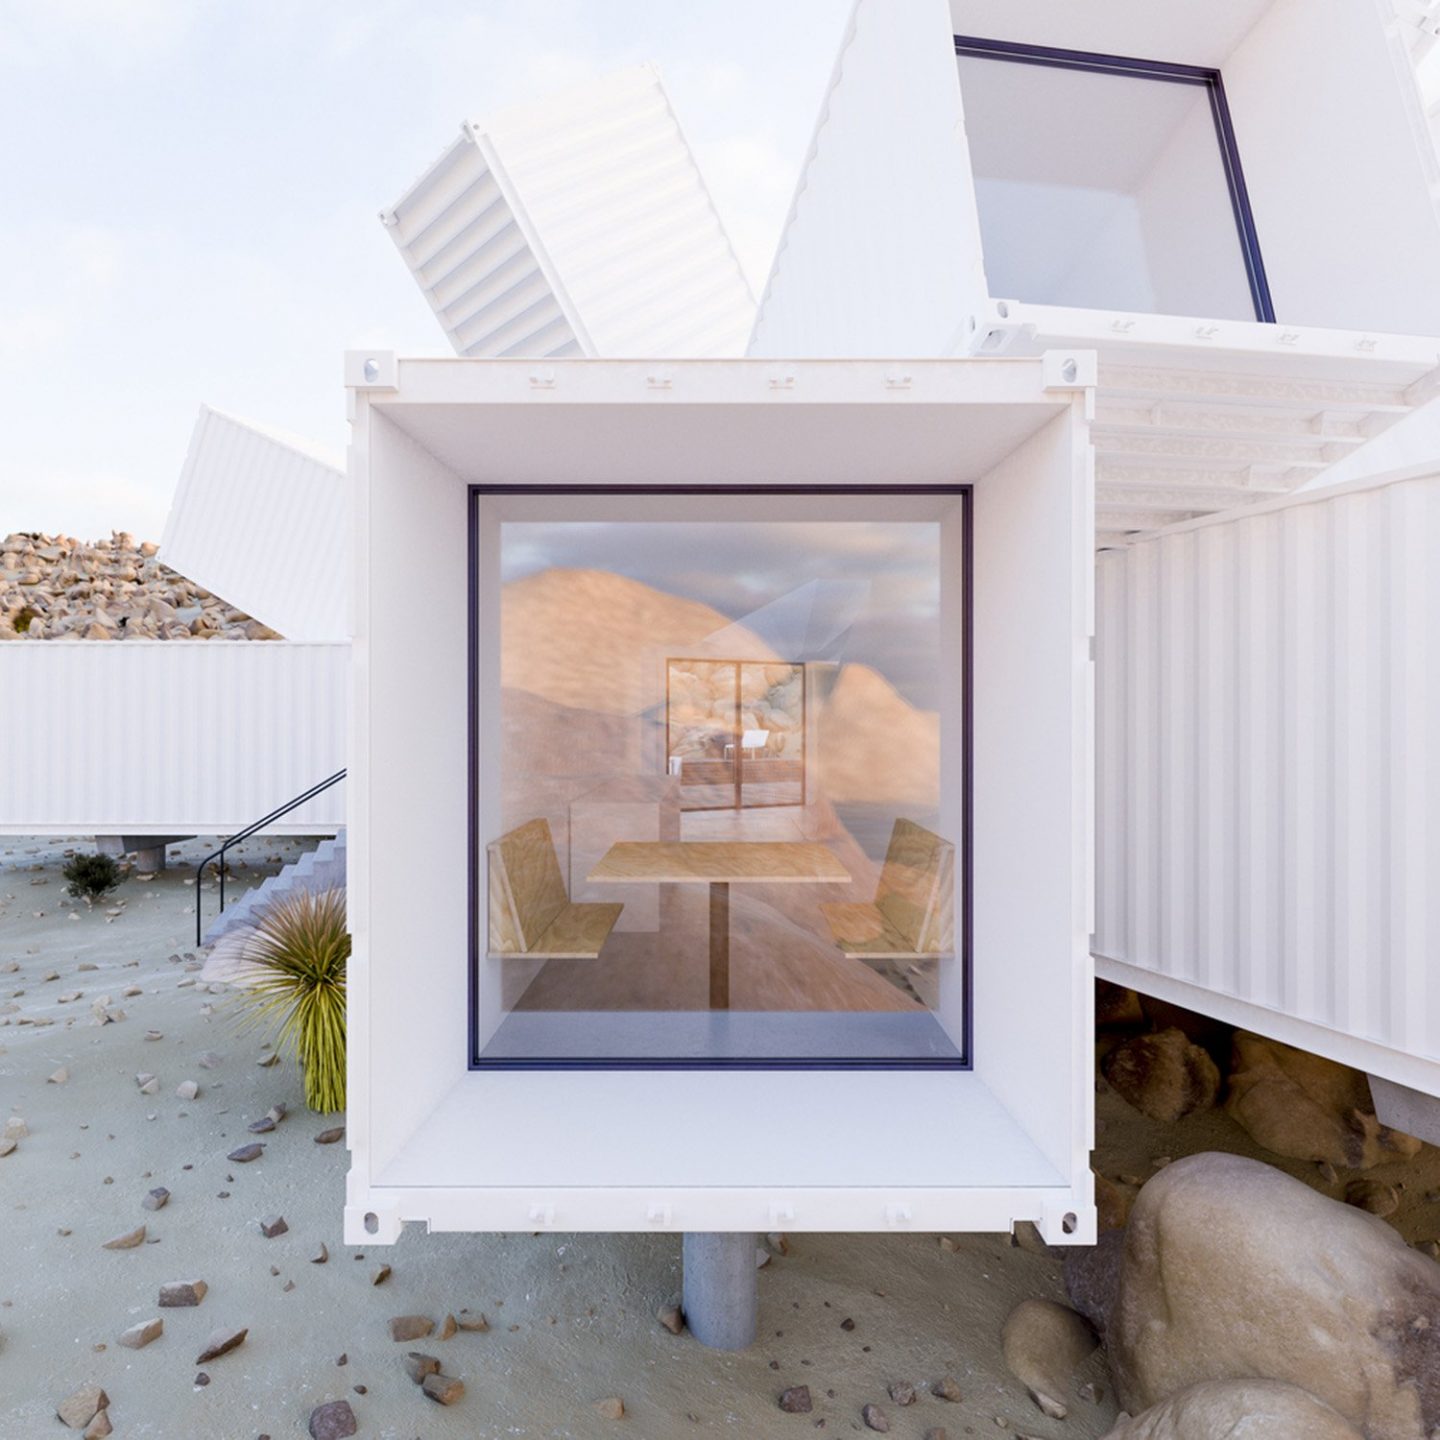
(719, 864)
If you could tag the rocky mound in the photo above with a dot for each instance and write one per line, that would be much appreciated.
(53, 587)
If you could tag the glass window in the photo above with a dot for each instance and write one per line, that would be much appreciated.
(1102, 187)
(720, 764)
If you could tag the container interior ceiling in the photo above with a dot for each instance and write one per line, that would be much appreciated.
(1109, 190)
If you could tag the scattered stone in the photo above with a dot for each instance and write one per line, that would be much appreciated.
(99, 1428)
(201, 1380)
(58, 1077)
(448, 1327)
(1165, 1076)
(418, 1366)
(947, 1388)
(148, 1084)
(267, 1122)
(334, 1420)
(381, 1275)
(207, 1059)
(137, 1337)
(82, 1407)
(154, 1035)
(948, 1245)
(847, 1324)
(671, 1318)
(272, 1226)
(128, 1241)
(265, 1062)
(472, 1323)
(1232, 1268)
(796, 1400)
(187, 1090)
(1112, 1203)
(611, 1408)
(1257, 1409)
(444, 1389)
(321, 1255)
(411, 1327)
(937, 1432)
(8, 1147)
(902, 1393)
(156, 1199)
(875, 1418)
(1044, 1344)
(1116, 1007)
(221, 1342)
(246, 1153)
(1308, 1108)
(1026, 1236)
(1373, 1195)
(1091, 1393)
(177, 1293)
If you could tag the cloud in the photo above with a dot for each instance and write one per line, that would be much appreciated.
(114, 33)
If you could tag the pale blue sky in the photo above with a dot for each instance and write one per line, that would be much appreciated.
(192, 188)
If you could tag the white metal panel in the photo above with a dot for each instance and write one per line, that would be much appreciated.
(1268, 791)
(577, 226)
(193, 737)
(260, 519)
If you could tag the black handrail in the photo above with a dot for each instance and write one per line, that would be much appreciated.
(245, 834)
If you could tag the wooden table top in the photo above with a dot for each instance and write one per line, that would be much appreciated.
(772, 862)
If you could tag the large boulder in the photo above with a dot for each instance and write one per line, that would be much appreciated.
(1308, 1108)
(1165, 1076)
(1231, 1409)
(1044, 1345)
(1234, 1271)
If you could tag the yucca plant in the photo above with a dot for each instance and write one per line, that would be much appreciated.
(299, 953)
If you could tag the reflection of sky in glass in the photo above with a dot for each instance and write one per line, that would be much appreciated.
(738, 567)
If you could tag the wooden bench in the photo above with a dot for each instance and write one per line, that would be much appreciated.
(530, 911)
(913, 914)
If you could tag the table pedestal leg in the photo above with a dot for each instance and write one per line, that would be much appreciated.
(719, 945)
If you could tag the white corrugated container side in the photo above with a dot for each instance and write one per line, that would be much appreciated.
(580, 225)
(192, 737)
(1268, 787)
(261, 520)
(434, 1141)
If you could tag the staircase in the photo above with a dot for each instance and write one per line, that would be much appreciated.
(322, 868)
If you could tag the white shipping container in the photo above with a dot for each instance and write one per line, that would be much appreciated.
(438, 1141)
(1267, 783)
(172, 737)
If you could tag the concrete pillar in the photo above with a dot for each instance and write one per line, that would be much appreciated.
(719, 1288)
(152, 857)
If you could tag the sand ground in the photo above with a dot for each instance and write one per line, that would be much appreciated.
(572, 1318)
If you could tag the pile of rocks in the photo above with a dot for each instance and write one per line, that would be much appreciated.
(55, 587)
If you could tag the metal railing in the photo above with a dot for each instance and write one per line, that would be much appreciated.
(245, 834)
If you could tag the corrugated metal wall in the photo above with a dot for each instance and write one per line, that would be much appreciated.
(261, 521)
(189, 737)
(1268, 712)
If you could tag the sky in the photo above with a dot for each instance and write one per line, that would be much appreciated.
(193, 187)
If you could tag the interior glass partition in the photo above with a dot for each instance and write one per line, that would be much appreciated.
(721, 770)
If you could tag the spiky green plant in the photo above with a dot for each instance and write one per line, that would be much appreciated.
(299, 953)
(91, 876)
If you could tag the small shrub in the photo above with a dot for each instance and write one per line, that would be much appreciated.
(91, 876)
(23, 616)
(299, 952)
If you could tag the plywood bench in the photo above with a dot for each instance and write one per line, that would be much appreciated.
(530, 911)
(913, 914)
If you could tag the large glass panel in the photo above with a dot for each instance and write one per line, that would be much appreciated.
(1102, 191)
(724, 833)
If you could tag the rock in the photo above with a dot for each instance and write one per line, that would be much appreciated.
(268, 1121)
(418, 1366)
(321, 1255)
(1044, 1344)
(177, 1293)
(937, 1432)
(1026, 1236)
(1373, 1195)
(1254, 1409)
(796, 1400)
(221, 1342)
(1232, 1269)
(1308, 1108)
(272, 1226)
(1092, 1277)
(246, 1153)
(329, 1137)
(207, 1059)
(411, 1327)
(448, 1327)
(611, 1408)
(334, 1420)
(99, 1428)
(15, 1128)
(671, 1317)
(875, 1418)
(902, 1393)
(137, 1337)
(381, 1275)
(1112, 1203)
(148, 1084)
(82, 1407)
(1164, 1076)
(58, 1077)
(443, 1389)
(156, 1199)
(128, 1241)
(947, 1388)
(1116, 1007)
(8, 1147)
(187, 1090)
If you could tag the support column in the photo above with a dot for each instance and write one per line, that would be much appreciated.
(719, 1288)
